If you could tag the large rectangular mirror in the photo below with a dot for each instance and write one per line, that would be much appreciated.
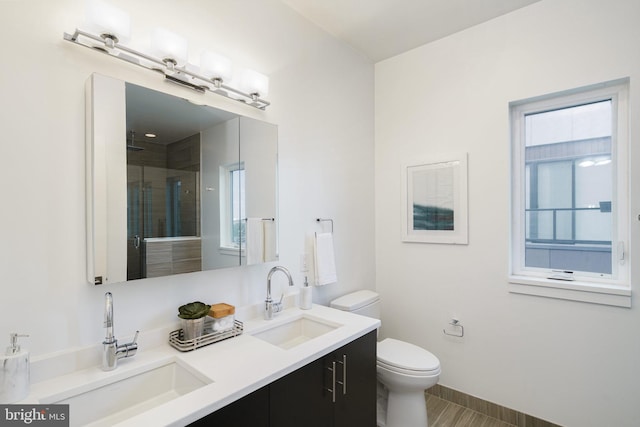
(174, 187)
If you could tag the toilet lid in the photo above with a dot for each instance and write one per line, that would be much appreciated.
(406, 356)
(355, 300)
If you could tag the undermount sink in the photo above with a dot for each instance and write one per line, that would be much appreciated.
(295, 331)
(107, 404)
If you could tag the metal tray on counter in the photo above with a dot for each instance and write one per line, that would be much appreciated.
(209, 337)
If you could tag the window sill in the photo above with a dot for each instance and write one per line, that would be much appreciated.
(617, 296)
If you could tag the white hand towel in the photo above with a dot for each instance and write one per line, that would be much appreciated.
(254, 238)
(325, 259)
(270, 249)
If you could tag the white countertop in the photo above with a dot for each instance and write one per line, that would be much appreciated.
(235, 367)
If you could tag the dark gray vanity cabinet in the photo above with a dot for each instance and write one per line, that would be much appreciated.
(251, 410)
(300, 398)
(356, 406)
(338, 390)
(312, 396)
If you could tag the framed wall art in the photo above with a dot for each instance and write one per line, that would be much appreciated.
(434, 205)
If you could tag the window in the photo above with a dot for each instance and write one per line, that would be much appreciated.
(232, 206)
(569, 214)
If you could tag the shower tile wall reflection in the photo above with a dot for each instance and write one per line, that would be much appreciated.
(163, 201)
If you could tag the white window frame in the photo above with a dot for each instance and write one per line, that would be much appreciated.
(227, 246)
(614, 289)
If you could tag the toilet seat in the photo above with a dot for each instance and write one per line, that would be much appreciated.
(403, 357)
(408, 372)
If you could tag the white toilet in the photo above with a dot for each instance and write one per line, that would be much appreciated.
(404, 370)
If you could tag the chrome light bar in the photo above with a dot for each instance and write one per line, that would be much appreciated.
(171, 71)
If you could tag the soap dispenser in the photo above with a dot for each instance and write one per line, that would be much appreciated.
(14, 376)
(305, 292)
(305, 295)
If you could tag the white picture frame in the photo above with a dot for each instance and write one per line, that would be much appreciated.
(434, 200)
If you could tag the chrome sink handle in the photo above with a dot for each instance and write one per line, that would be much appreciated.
(129, 349)
(277, 306)
(272, 308)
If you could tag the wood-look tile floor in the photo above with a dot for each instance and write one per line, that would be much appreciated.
(442, 413)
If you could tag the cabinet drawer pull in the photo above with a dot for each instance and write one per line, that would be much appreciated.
(333, 381)
(332, 390)
(343, 383)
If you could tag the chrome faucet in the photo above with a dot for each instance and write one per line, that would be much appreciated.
(111, 351)
(270, 307)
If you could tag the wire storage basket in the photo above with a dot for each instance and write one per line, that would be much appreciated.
(177, 341)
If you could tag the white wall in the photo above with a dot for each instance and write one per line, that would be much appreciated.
(322, 96)
(571, 363)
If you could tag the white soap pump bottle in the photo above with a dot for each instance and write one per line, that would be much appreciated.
(306, 295)
(305, 292)
(14, 375)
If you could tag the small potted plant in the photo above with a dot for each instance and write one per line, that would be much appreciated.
(192, 316)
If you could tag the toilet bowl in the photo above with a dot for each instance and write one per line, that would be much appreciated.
(404, 370)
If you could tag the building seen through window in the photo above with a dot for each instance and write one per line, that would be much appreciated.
(569, 188)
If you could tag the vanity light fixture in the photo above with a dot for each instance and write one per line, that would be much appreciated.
(216, 67)
(170, 47)
(109, 29)
(254, 83)
(112, 24)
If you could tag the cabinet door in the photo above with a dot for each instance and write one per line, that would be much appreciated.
(356, 400)
(299, 399)
(250, 411)
(304, 398)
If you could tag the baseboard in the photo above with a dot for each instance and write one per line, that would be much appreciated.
(490, 409)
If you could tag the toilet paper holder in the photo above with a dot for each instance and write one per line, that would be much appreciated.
(459, 328)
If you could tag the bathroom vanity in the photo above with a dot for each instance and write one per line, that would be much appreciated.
(279, 372)
(311, 396)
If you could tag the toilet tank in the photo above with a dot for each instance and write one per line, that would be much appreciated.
(365, 303)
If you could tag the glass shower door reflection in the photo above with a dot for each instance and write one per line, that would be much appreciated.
(161, 203)
(135, 222)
